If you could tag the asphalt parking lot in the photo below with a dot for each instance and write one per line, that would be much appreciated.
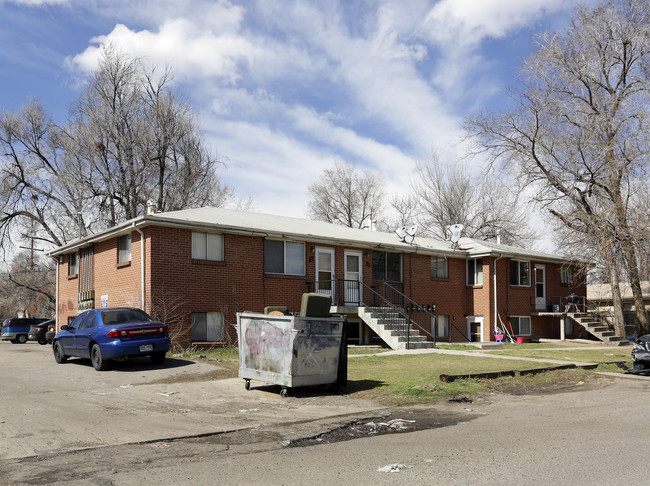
(47, 407)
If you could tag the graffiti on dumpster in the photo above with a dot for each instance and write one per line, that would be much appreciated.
(266, 342)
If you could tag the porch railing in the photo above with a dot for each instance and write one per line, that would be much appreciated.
(392, 300)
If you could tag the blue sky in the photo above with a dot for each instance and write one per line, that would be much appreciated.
(284, 88)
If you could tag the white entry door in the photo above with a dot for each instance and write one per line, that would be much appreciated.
(475, 328)
(540, 287)
(353, 275)
(325, 271)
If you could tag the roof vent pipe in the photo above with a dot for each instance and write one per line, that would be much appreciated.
(498, 237)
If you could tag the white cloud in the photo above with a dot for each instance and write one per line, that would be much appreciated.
(285, 88)
(466, 22)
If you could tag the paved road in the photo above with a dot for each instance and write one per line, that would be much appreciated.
(589, 434)
(45, 407)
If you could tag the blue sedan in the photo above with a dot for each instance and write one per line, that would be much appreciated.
(105, 334)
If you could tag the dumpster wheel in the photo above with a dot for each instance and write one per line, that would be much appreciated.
(284, 392)
(247, 384)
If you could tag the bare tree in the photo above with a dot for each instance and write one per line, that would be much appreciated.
(346, 196)
(578, 130)
(28, 286)
(484, 205)
(141, 142)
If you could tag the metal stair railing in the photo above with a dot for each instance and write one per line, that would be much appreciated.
(354, 292)
(390, 312)
(413, 307)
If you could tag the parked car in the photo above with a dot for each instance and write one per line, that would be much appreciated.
(38, 331)
(106, 334)
(51, 332)
(16, 329)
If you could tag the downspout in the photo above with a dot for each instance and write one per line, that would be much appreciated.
(496, 307)
(56, 297)
(142, 268)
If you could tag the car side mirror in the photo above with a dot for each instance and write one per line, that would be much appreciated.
(65, 328)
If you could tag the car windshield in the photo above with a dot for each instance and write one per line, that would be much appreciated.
(122, 316)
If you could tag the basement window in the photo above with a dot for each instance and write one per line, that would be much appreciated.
(521, 325)
(207, 327)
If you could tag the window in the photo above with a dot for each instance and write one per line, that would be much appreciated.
(566, 274)
(207, 246)
(386, 266)
(440, 326)
(439, 267)
(475, 272)
(287, 257)
(519, 273)
(124, 249)
(73, 264)
(207, 327)
(520, 325)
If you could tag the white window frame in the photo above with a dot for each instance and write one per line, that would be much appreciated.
(73, 264)
(436, 263)
(516, 327)
(566, 274)
(124, 251)
(518, 276)
(477, 272)
(207, 246)
(208, 327)
(289, 266)
(437, 323)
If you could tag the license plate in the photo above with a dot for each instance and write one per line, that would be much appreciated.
(146, 347)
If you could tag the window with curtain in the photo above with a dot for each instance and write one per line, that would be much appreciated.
(124, 249)
(440, 326)
(207, 327)
(284, 257)
(73, 264)
(439, 267)
(207, 246)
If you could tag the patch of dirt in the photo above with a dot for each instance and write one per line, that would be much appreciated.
(398, 420)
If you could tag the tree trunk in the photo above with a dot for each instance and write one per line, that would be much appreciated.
(619, 318)
(635, 283)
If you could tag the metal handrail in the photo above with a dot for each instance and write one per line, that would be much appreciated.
(417, 307)
(354, 292)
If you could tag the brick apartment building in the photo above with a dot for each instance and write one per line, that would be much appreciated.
(195, 269)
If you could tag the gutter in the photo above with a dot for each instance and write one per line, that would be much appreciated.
(142, 268)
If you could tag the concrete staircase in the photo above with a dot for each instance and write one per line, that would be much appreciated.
(596, 327)
(391, 327)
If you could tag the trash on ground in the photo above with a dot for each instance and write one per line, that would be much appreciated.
(394, 468)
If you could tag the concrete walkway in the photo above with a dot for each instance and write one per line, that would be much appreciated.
(566, 346)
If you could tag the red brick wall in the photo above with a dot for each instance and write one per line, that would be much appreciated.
(177, 285)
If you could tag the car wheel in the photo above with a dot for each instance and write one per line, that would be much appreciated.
(42, 342)
(59, 356)
(157, 358)
(22, 338)
(99, 363)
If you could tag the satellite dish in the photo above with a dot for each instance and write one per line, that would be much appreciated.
(406, 231)
(455, 230)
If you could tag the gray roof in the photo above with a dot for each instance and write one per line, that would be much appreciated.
(273, 226)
